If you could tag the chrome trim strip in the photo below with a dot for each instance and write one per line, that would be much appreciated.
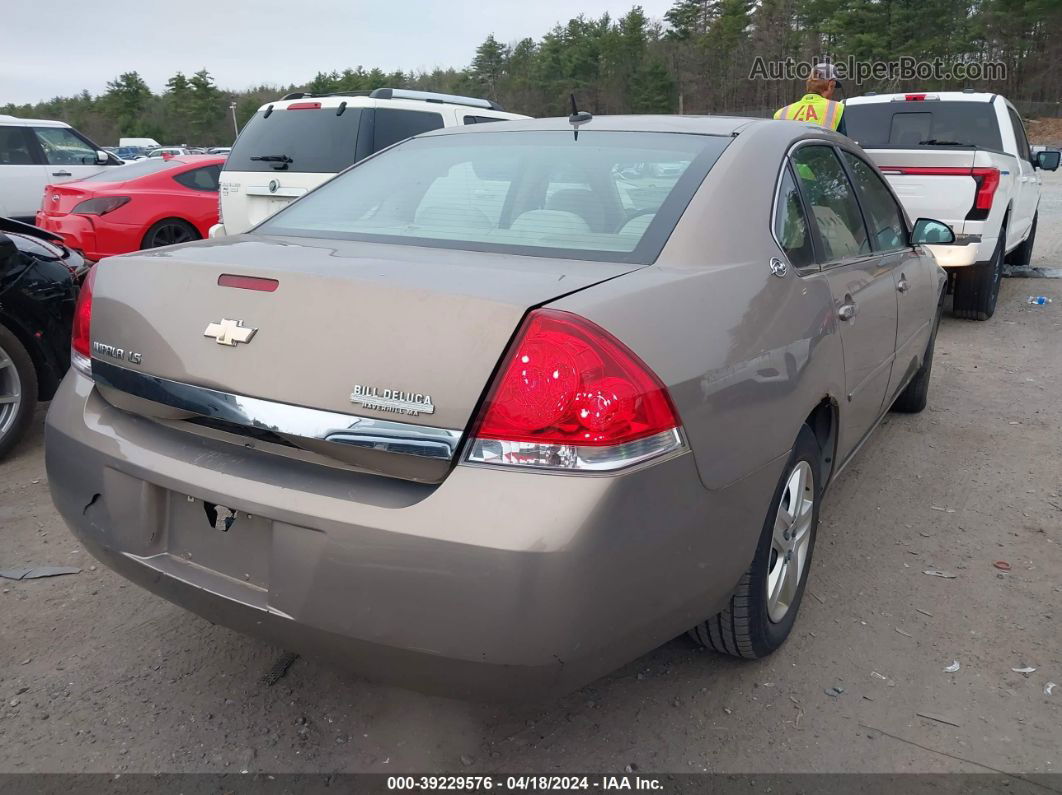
(279, 193)
(284, 419)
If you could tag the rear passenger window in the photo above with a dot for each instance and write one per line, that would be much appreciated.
(791, 225)
(392, 126)
(205, 179)
(15, 147)
(888, 230)
(833, 205)
(479, 119)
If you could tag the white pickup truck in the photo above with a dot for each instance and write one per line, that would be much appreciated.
(962, 157)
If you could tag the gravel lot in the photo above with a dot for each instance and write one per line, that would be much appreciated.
(97, 675)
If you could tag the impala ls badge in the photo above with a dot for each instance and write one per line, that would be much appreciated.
(229, 332)
(393, 400)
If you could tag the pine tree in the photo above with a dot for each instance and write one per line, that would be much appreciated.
(127, 99)
(207, 107)
(488, 67)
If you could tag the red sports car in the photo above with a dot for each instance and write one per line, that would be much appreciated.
(148, 203)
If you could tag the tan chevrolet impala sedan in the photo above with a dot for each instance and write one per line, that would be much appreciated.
(504, 406)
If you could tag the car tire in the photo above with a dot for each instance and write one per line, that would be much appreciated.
(977, 286)
(169, 232)
(754, 624)
(1021, 257)
(18, 390)
(916, 394)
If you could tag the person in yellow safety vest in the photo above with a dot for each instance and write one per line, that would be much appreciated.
(818, 106)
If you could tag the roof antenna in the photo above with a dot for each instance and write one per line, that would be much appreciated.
(577, 117)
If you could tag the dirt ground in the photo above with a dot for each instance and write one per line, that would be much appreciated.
(1045, 131)
(97, 675)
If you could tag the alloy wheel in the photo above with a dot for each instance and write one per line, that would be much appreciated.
(170, 234)
(10, 393)
(790, 541)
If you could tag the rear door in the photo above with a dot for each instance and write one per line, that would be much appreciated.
(862, 283)
(22, 177)
(913, 273)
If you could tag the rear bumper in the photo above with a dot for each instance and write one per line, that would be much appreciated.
(492, 584)
(968, 250)
(96, 238)
(77, 231)
(217, 230)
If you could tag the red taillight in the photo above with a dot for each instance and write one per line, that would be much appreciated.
(987, 180)
(304, 106)
(101, 205)
(81, 338)
(570, 395)
(914, 97)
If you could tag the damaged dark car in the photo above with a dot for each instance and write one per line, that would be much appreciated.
(39, 279)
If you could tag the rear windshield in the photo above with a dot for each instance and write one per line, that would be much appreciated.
(316, 141)
(138, 168)
(612, 196)
(923, 125)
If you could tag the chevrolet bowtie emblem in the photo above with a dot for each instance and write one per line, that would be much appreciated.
(229, 332)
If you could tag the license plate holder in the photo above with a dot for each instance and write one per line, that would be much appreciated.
(222, 539)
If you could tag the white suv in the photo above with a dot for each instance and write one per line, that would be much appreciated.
(35, 153)
(294, 144)
(962, 157)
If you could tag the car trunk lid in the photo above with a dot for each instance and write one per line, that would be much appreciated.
(405, 337)
(62, 199)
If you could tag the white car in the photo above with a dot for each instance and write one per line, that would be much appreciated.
(173, 151)
(35, 153)
(962, 157)
(294, 144)
(139, 143)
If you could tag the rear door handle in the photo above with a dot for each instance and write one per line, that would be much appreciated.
(61, 174)
(847, 311)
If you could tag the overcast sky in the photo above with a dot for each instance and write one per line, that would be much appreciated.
(60, 47)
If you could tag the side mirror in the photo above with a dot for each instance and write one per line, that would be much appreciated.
(102, 158)
(1047, 160)
(930, 232)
